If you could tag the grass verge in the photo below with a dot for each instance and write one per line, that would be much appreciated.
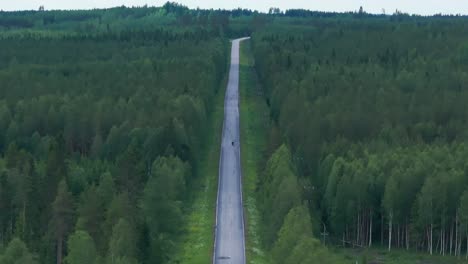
(253, 131)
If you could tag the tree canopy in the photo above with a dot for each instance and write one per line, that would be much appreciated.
(373, 111)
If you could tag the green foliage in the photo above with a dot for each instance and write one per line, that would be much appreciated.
(309, 250)
(373, 110)
(81, 249)
(371, 107)
(17, 253)
(91, 212)
(288, 232)
(296, 224)
(280, 192)
(162, 204)
(62, 217)
(122, 244)
(82, 123)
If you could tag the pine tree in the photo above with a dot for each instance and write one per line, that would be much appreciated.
(123, 243)
(62, 217)
(17, 253)
(81, 249)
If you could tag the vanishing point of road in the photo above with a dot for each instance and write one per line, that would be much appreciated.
(229, 245)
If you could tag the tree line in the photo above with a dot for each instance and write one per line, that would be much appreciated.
(116, 19)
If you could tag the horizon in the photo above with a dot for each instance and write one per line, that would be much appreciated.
(432, 7)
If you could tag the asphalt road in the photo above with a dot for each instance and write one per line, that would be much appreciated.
(229, 245)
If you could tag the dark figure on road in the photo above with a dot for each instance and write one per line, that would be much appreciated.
(233, 143)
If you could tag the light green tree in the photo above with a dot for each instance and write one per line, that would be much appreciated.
(81, 249)
(280, 192)
(17, 253)
(62, 217)
(123, 244)
(296, 224)
(308, 250)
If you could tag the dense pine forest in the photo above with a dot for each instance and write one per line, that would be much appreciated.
(374, 113)
(99, 133)
(104, 116)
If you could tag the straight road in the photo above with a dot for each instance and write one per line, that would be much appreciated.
(229, 245)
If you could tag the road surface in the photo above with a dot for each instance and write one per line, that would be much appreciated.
(229, 245)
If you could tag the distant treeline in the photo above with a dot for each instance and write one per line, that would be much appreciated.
(172, 13)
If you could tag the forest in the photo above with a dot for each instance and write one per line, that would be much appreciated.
(104, 115)
(374, 113)
(99, 134)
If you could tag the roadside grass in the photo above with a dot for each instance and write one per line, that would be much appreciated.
(396, 256)
(254, 122)
(196, 243)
